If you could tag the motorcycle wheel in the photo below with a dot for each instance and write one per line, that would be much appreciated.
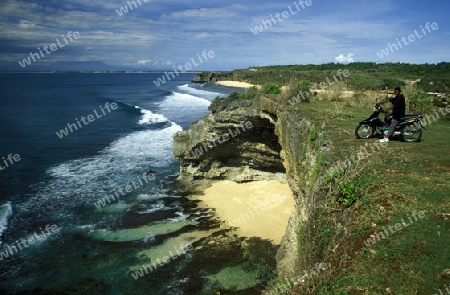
(412, 133)
(364, 131)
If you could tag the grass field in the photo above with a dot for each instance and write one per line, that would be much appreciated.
(395, 182)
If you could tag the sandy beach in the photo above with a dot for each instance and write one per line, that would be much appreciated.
(345, 93)
(236, 84)
(259, 208)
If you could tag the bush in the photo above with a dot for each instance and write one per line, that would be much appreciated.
(302, 90)
(367, 99)
(334, 92)
(434, 84)
(272, 88)
(392, 83)
(420, 102)
(252, 92)
(244, 96)
(348, 193)
(297, 91)
(304, 85)
(234, 95)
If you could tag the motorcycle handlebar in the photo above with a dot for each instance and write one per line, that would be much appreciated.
(378, 108)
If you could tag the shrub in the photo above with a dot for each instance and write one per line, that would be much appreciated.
(297, 91)
(392, 83)
(335, 91)
(302, 90)
(243, 96)
(420, 102)
(348, 193)
(334, 174)
(272, 88)
(303, 85)
(252, 92)
(367, 99)
(234, 95)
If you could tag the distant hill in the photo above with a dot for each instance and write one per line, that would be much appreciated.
(82, 66)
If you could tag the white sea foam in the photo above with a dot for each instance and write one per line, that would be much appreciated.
(148, 197)
(86, 180)
(5, 213)
(191, 90)
(153, 208)
(186, 103)
(183, 107)
(181, 217)
(148, 117)
(140, 233)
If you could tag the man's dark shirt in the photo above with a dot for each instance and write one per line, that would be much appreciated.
(399, 107)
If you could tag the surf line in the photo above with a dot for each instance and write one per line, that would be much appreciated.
(90, 118)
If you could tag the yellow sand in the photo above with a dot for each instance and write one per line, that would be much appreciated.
(236, 84)
(259, 208)
(345, 93)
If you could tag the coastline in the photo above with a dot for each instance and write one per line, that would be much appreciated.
(236, 84)
(258, 208)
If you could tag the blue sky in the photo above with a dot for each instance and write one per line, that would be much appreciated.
(163, 34)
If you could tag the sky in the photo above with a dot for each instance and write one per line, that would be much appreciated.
(222, 35)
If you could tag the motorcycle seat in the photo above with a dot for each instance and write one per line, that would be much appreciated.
(409, 116)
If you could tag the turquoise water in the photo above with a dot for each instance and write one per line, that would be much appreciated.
(59, 179)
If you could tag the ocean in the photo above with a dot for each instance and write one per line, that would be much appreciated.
(77, 208)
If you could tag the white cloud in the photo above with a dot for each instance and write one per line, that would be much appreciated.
(345, 59)
(144, 61)
(203, 13)
(174, 31)
(23, 24)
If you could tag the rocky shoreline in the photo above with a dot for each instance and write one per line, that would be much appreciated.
(282, 145)
(254, 155)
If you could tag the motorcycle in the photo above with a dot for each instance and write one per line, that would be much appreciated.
(409, 128)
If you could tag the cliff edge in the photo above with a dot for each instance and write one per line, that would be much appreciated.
(262, 139)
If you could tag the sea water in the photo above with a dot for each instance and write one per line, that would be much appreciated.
(60, 179)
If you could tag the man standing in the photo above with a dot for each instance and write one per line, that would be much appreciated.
(398, 111)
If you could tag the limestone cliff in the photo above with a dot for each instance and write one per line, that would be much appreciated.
(278, 146)
(235, 142)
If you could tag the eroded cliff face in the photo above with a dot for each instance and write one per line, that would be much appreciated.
(277, 146)
(236, 143)
(298, 250)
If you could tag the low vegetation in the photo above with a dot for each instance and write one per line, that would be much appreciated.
(379, 191)
(363, 75)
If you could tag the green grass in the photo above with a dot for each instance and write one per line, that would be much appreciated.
(363, 75)
(404, 177)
